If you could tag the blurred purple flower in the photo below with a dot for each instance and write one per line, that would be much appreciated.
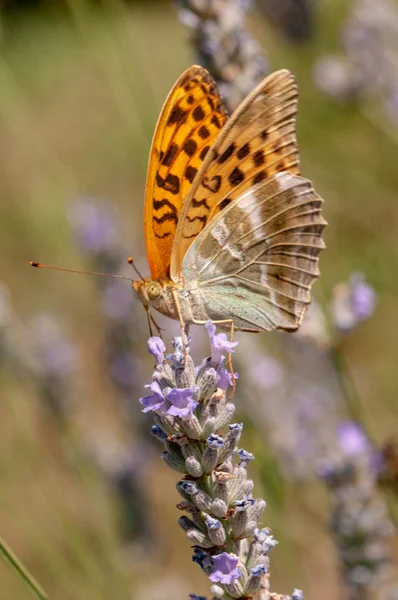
(157, 348)
(219, 342)
(182, 403)
(116, 301)
(352, 302)
(94, 225)
(121, 369)
(352, 439)
(226, 568)
(156, 402)
(266, 371)
(363, 296)
(56, 354)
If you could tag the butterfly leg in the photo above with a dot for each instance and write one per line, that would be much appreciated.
(151, 321)
(149, 318)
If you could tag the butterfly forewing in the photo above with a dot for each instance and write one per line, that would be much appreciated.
(191, 119)
(256, 260)
(258, 141)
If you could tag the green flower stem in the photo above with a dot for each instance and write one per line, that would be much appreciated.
(13, 562)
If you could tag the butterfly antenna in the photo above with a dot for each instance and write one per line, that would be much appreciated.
(131, 262)
(42, 266)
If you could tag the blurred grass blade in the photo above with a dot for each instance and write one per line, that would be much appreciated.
(21, 572)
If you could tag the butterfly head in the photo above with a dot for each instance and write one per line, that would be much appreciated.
(155, 294)
(148, 291)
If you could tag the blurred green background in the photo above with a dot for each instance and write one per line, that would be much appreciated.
(81, 86)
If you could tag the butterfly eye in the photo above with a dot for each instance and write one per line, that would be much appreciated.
(154, 290)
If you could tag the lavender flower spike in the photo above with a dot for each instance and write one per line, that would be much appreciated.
(193, 415)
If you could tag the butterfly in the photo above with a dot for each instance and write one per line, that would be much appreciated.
(233, 232)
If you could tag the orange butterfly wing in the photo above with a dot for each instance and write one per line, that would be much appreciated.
(258, 141)
(191, 119)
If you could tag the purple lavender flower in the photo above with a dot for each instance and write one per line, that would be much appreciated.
(219, 342)
(243, 503)
(182, 403)
(156, 402)
(363, 296)
(226, 568)
(224, 377)
(245, 457)
(157, 348)
(352, 439)
(215, 441)
(259, 570)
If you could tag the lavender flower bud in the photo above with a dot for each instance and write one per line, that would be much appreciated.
(185, 376)
(193, 467)
(221, 487)
(225, 416)
(237, 484)
(174, 462)
(158, 433)
(186, 523)
(256, 509)
(192, 428)
(209, 427)
(206, 382)
(253, 583)
(164, 375)
(202, 501)
(210, 456)
(216, 531)
(199, 539)
(219, 508)
(234, 589)
(217, 591)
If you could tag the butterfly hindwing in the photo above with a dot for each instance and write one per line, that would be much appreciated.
(255, 262)
(191, 119)
(258, 141)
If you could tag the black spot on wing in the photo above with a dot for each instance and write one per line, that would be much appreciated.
(260, 176)
(258, 158)
(236, 177)
(202, 219)
(170, 155)
(203, 152)
(177, 115)
(216, 121)
(224, 203)
(198, 114)
(171, 183)
(197, 203)
(243, 151)
(228, 152)
(190, 147)
(190, 173)
(203, 132)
